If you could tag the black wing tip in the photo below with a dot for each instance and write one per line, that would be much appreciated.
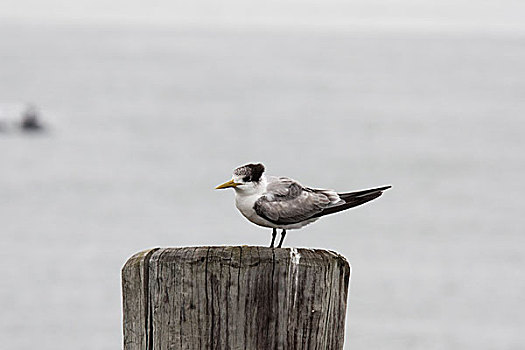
(362, 193)
(351, 203)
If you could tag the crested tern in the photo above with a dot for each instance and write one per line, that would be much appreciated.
(283, 203)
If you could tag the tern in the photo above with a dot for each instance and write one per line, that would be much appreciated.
(282, 203)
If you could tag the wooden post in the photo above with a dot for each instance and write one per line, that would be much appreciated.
(234, 298)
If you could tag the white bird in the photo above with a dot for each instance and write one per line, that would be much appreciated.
(283, 203)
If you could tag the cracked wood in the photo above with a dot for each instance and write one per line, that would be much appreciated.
(234, 298)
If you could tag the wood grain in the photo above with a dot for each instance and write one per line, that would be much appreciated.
(234, 298)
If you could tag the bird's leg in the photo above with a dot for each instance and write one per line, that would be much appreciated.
(274, 233)
(283, 233)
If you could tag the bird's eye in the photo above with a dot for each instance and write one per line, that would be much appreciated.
(246, 179)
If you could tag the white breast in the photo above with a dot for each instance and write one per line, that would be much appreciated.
(245, 205)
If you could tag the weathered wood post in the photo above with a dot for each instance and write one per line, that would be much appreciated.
(220, 298)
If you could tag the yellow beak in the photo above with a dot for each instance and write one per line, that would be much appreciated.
(230, 183)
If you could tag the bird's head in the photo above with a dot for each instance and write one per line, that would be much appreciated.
(245, 178)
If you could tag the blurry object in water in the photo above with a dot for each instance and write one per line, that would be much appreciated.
(2, 123)
(30, 120)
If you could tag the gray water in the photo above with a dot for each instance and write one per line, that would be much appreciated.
(143, 123)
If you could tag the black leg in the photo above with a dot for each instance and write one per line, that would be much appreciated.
(274, 233)
(283, 233)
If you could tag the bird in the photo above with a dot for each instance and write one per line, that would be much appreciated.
(279, 202)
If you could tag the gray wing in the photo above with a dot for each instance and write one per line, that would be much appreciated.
(288, 202)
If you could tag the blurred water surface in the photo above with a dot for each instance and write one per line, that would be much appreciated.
(143, 123)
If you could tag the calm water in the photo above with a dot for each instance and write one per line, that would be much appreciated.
(144, 123)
